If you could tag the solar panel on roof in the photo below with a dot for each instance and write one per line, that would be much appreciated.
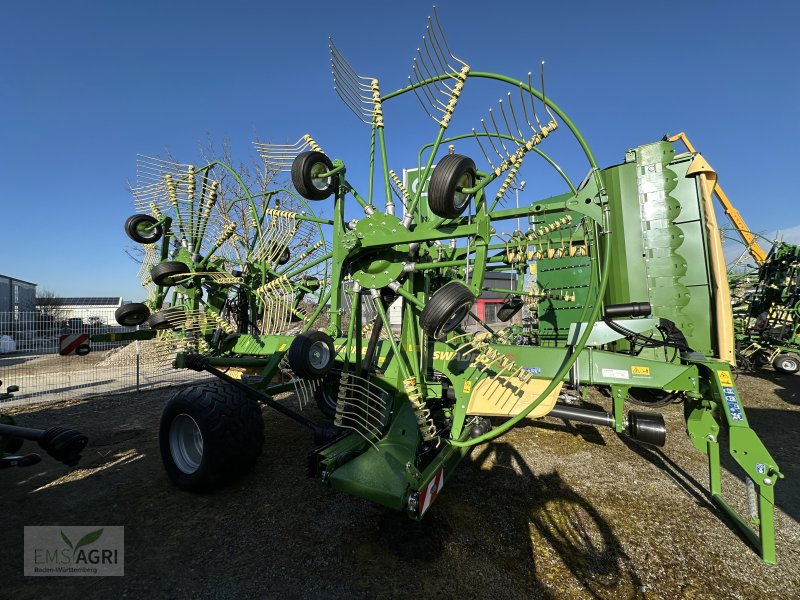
(88, 301)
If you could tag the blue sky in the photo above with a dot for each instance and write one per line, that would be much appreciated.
(88, 85)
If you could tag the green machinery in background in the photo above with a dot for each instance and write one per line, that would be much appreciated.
(767, 299)
(768, 311)
(248, 284)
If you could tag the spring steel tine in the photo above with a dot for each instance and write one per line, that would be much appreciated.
(433, 65)
(349, 78)
(505, 119)
(524, 107)
(347, 68)
(514, 117)
(349, 102)
(399, 189)
(345, 87)
(349, 93)
(428, 74)
(437, 57)
(499, 137)
(431, 96)
(544, 97)
(486, 156)
(444, 41)
(491, 141)
(421, 103)
(431, 73)
(533, 104)
(277, 152)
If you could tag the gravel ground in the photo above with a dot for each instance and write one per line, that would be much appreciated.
(547, 511)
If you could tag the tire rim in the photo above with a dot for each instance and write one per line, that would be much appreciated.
(461, 199)
(787, 364)
(186, 443)
(134, 319)
(146, 230)
(321, 183)
(319, 355)
(455, 318)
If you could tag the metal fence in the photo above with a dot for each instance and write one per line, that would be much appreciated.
(30, 359)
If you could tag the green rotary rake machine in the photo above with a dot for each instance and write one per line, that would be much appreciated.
(620, 273)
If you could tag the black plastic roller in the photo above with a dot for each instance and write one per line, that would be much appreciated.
(647, 427)
(629, 309)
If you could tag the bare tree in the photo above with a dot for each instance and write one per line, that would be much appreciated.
(50, 308)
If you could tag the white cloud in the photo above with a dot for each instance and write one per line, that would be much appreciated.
(790, 235)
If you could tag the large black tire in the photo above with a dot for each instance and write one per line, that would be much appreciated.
(164, 319)
(454, 171)
(446, 309)
(210, 434)
(10, 444)
(164, 273)
(311, 355)
(306, 170)
(131, 315)
(143, 229)
(786, 363)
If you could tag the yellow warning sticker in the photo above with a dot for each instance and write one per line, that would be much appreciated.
(640, 370)
(282, 347)
(467, 387)
(381, 360)
(724, 377)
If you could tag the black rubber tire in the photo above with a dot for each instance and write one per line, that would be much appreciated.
(163, 272)
(12, 444)
(161, 319)
(131, 315)
(311, 355)
(327, 394)
(133, 228)
(305, 168)
(761, 359)
(453, 171)
(446, 309)
(231, 427)
(509, 308)
(285, 257)
(787, 364)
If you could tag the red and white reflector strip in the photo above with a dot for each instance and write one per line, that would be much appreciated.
(428, 495)
(74, 343)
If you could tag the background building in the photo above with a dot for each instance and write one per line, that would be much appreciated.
(88, 310)
(16, 295)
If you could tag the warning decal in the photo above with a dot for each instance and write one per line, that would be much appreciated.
(428, 495)
(76, 343)
(733, 403)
